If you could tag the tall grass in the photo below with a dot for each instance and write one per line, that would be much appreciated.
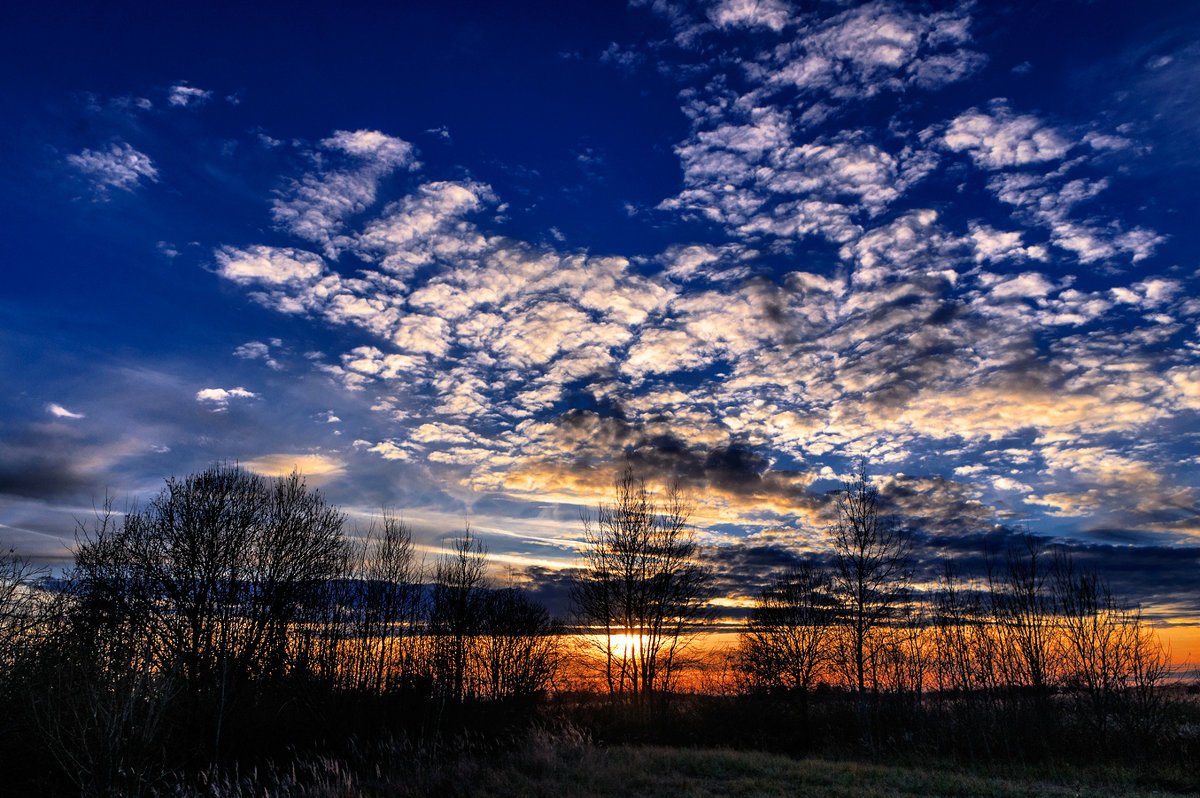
(567, 765)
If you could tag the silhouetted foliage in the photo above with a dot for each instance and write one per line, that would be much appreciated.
(208, 583)
(456, 615)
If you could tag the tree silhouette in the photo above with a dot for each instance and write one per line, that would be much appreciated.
(456, 615)
(871, 556)
(788, 637)
(641, 590)
(205, 585)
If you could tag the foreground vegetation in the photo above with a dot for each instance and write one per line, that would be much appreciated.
(231, 623)
(569, 766)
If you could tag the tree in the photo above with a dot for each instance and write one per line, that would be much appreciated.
(383, 581)
(1025, 618)
(1110, 659)
(518, 646)
(871, 555)
(641, 590)
(206, 584)
(787, 639)
(21, 598)
(456, 614)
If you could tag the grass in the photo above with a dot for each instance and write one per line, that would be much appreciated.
(571, 767)
(655, 771)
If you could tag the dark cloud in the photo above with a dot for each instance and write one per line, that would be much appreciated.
(42, 461)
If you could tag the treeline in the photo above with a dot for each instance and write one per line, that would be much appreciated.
(1032, 657)
(232, 618)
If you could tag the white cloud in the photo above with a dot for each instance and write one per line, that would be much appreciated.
(120, 166)
(58, 411)
(875, 47)
(752, 178)
(219, 398)
(316, 206)
(1050, 202)
(388, 450)
(1026, 285)
(374, 147)
(472, 342)
(992, 245)
(425, 226)
(269, 265)
(1001, 140)
(252, 350)
(257, 350)
(183, 95)
(770, 14)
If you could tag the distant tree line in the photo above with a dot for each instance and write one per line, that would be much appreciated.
(234, 616)
(1003, 658)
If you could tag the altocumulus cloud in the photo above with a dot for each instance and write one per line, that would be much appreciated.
(119, 167)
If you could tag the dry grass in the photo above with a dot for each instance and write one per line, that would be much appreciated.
(568, 766)
(653, 772)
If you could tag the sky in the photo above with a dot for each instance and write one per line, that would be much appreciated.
(466, 261)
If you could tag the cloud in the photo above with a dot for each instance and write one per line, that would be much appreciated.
(751, 178)
(183, 95)
(770, 14)
(316, 468)
(1001, 139)
(269, 265)
(1050, 201)
(425, 226)
(219, 398)
(531, 371)
(388, 450)
(876, 47)
(119, 167)
(257, 350)
(316, 206)
(58, 411)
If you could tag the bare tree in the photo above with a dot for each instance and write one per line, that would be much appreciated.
(1025, 618)
(966, 658)
(787, 642)
(456, 614)
(206, 584)
(518, 649)
(383, 586)
(872, 575)
(641, 591)
(20, 601)
(1111, 661)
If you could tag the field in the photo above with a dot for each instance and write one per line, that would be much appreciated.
(546, 768)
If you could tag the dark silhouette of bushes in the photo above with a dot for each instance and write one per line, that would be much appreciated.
(232, 619)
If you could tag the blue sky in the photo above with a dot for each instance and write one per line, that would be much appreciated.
(464, 261)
